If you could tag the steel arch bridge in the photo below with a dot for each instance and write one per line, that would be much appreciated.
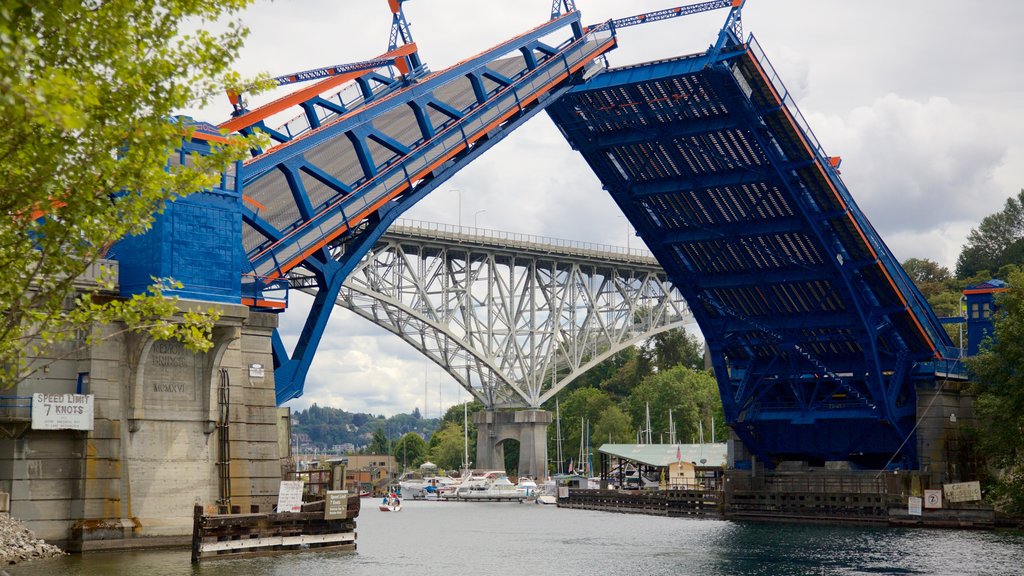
(819, 339)
(513, 318)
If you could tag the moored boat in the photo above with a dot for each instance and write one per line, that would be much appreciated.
(490, 485)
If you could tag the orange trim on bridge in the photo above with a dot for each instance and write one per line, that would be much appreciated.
(803, 140)
(299, 96)
(360, 216)
(274, 304)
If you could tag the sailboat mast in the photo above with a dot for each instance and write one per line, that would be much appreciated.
(583, 434)
(648, 438)
(590, 457)
(465, 436)
(671, 429)
(558, 436)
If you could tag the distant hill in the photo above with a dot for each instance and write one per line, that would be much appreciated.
(326, 427)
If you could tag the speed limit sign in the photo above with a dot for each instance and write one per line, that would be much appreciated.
(933, 498)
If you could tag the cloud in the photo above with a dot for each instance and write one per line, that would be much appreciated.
(919, 170)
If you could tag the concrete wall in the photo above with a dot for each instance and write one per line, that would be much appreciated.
(529, 427)
(154, 449)
(944, 411)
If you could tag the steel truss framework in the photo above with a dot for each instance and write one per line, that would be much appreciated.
(352, 162)
(513, 321)
(817, 335)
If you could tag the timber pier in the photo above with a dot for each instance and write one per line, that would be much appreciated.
(865, 498)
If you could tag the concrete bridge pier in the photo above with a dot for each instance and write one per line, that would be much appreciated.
(529, 427)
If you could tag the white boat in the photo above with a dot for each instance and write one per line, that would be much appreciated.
(424, 484)
(491, 485)
(527, 486)
(546, 499)
(390, 504)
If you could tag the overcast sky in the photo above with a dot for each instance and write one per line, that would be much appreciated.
(923, 99)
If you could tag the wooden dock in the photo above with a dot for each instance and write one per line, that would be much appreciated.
(676, 503)
(221, 536)
(815, 497)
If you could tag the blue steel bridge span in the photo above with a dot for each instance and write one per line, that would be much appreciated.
(818, 337)
(819, 340)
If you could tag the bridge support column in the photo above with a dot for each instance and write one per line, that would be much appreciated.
(529, 427)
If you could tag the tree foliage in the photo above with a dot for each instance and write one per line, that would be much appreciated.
(410, 450)
(691, 395)
(87, 93)
(379, 443)
(996, 242)
(999, 406)
(446, 447)
(675, 348)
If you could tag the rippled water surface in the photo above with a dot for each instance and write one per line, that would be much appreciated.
(510, 539)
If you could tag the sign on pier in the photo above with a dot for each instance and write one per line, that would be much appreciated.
(962, 491)
(62, 411)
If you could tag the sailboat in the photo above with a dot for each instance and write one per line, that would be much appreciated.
(391, 503)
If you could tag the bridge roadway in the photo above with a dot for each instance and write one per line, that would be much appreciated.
(512, 318)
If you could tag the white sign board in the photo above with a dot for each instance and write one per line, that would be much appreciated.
(62, 411)
(289, 496)
(933, 498)
(963, 491)
(914, 505)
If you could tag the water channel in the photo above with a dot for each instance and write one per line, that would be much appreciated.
(511, 539)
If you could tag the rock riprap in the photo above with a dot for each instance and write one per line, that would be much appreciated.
(18, 544)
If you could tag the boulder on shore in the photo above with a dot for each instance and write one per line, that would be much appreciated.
(18, 543)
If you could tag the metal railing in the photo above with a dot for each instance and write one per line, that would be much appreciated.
(504, 236)
(15, 408)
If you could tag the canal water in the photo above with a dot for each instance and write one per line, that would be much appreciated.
(511, 539)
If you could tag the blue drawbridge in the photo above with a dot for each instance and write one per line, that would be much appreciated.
(817, 336)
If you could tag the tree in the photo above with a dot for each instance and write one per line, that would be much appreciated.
(938, 287)
(691, 395)
(674, 348)
(996, 242)
(379, 443)
(410, 450)
(613, 427)
(578, 409)
(87, 91)
(446, 447)
(630, 371)
(930, 277)
(999, 405)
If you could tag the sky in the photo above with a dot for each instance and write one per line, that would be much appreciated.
(923, 100)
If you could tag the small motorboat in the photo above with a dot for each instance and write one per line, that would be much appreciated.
(546, 499)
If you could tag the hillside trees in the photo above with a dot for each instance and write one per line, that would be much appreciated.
(86, 93)
(999, 405)
(996, 242)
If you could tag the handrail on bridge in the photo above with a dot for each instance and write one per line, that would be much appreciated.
(15, 407)
(519, 237)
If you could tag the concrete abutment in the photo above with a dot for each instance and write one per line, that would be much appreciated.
(158, 437)
(529, 427)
